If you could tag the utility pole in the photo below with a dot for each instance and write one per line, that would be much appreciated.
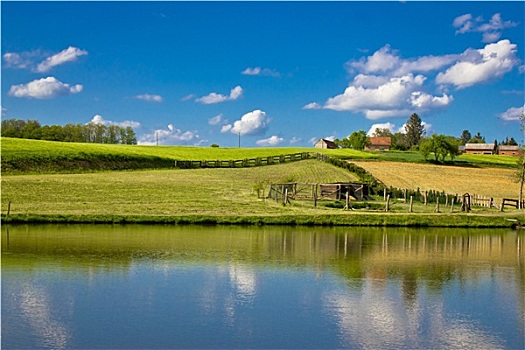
(239, 139)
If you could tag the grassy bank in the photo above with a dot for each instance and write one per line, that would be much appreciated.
(341, 219)
(209, 196)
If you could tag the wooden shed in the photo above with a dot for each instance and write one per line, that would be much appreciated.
(324, 143)
(379, 143)
(509, 150)
(338, 191)
(480, 148)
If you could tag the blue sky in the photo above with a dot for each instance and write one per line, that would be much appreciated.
(278, 73)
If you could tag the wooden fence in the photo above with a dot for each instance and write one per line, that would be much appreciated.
(241, 163)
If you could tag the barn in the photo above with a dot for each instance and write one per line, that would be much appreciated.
(504, 150)
(379, 144)
(325, 144)
(480, 148)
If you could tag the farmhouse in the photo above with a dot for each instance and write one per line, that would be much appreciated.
(323, 143)
(480, 148)
(509, 150)
(379, 144)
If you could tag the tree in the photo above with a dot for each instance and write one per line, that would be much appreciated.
(425, 147)
(382, 132)
(465, 136)
(477, 139)
(358, 140)
(414, 130)
(520, 173)
(441, 145)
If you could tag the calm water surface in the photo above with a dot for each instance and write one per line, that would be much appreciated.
(136, 287)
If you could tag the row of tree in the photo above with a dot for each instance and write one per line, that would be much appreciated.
(86, 133)
(414, 131)
(414, 138)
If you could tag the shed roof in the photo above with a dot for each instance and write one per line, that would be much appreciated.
(509, 148)
(479, 146)
(329, 143)
(380, 141)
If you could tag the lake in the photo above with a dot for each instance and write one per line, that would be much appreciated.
(167, 287)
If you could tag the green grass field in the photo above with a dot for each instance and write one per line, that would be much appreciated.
(63, 181)
(160, 192)
(21, 156)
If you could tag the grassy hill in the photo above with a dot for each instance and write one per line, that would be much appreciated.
(22, 156)
(35, 156)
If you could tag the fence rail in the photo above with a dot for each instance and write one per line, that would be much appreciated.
(242, 163)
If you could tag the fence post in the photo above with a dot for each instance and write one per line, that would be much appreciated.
(411, 203)
(452, 206)
(387, 203)
(437, 205)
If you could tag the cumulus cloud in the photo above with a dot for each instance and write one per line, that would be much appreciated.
(479, 66)
(16, 60)
(294, 140)
(271, 141)
(391, 127)
(215, 120)
(213, 97)
(261, 71)
(252, 123)
(44, 88)
(98, 119)
(312, 105)
(513, 113)
(149, 98)
(491, 30)
(394, 129)
(396, 97)
(170, 136)
(389, 63)
(70, 54)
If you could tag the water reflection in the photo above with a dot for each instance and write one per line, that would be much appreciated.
(261, 287)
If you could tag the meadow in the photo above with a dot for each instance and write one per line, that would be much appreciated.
(22, 156)
(84, 187)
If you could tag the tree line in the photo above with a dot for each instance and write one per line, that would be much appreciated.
(84, 133)
(438, 145)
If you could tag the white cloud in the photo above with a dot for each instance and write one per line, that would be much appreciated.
(98, 119)
(170, 136)
(68, 55)
(44, 88)
(394, 129)
(188, 97)
(252, 123)
(271, 141)
(15, 60)
(491, 31)
(261, 71)
(4, 112)
(149, 98)
(391, 127)
(213, 97)
(513, 113)
(396, 97)
(312, 105)
(215, 120)
(294, 140)
(478, 66)
(388, 63)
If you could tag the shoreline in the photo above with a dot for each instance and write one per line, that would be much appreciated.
(361, 219)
